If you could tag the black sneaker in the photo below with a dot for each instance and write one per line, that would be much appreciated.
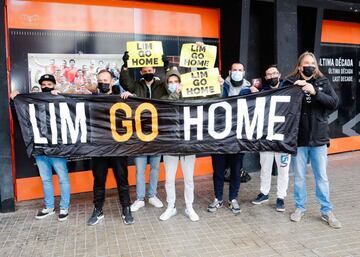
(63, 215)
(127, 217)
(96, 216)
(44, 213)
(261, 198)
(216, 204)
(280, 205)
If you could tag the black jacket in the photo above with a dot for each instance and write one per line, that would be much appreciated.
(313, 126)
(139, 88)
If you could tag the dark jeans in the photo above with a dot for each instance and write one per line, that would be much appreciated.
(100, 167)
(220, 162)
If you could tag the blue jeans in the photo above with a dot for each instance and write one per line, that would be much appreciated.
(45, 165)
(141, 162)
(318, 160)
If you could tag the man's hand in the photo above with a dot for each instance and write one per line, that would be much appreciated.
(178, 90)
(221, 80)
(308, 88)
(125, 59)
(199, 43)
(55, 92)
(14, 94)
(166, 62)
(300, 82)
(253, 89)
(125, 95)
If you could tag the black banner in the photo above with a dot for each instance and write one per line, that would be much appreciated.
(86, 125)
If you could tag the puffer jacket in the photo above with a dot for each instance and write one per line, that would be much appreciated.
(313, 126)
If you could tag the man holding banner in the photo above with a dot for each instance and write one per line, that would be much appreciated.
(148, 86)
(234, 85)
(118, 164)
(47, 163)
(273, 81)
(173, 80)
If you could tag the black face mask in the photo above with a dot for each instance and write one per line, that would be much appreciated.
(272, 82)
(236, 83)
(308, 71)
(46, 89)
(104, 87)
(148, 76)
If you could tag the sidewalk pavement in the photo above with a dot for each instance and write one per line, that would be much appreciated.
(257, 231)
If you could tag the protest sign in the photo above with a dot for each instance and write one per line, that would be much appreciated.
(145, 54)
(200, 83)
(198, 56)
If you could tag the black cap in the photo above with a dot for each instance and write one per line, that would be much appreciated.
(47, 77)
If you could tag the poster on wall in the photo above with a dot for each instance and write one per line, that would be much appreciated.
(73, 73)
(341, 64)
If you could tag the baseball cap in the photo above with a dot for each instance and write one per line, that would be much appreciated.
(47, 77)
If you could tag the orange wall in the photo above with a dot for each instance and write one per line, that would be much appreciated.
(115, 16)
(340, 32)
(31, 188)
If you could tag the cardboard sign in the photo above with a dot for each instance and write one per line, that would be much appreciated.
(200, 83)
(145, 54)
(197, 56)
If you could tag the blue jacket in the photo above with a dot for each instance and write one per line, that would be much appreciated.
(244, 89)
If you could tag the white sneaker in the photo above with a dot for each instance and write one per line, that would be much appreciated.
(168, 213)
(44, 213)
(63, 215)
(137, 205)
(155, 202)
(192, 214)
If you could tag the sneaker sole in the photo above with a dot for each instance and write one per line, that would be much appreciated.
(45, 216)
(280, 209)
(98, 220)
(296, 220)
(193, 220)
(329, 223)
(212, 210)
(63, 219)
(172, 215)
(258, 203)
(235, 211)
(134, 210)
(125, 222)
(157, 206)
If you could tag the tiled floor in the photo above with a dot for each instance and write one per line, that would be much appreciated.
(257, 231)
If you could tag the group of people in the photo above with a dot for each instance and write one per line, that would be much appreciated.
(74, 79)
(313, 139)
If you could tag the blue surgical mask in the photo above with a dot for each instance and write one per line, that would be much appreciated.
(237, 75)
(172, 87)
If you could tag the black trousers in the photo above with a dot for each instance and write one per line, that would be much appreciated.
(100, 167)
(220, 162)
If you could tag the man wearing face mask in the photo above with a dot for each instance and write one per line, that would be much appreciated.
(47, 163)
(148, 86)
(173, 80)
(119, 165)
(273, 81)
(313, 136)
(235, 84)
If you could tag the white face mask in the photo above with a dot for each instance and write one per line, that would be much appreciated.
(172, 87)
(237, 75)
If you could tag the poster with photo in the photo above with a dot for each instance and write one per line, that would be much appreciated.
(74, 73)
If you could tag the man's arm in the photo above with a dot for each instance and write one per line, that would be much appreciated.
(126, 81)
(328, 98)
